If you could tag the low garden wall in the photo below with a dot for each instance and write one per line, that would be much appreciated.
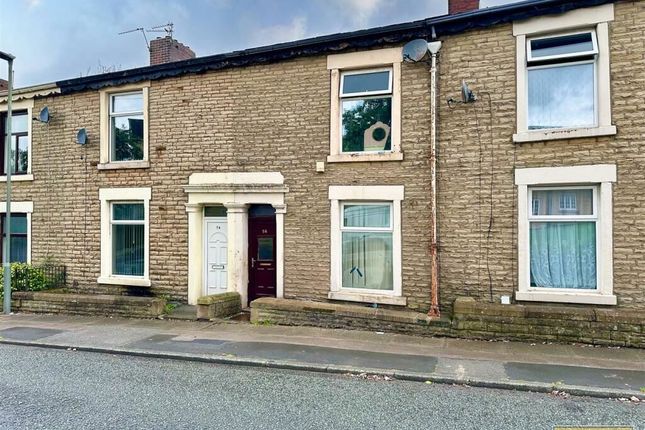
(470, 319)
(61, 302)
(218, 306)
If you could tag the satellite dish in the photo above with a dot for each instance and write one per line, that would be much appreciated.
(467, 96)
(415, 50)
(81, 137)
(43, 116)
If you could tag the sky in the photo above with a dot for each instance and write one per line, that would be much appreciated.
(62, 39)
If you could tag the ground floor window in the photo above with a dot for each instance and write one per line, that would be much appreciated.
(565, 234)
(125, 236)
(19, 242)
(562, 236)
(128, 238)
(366, 244)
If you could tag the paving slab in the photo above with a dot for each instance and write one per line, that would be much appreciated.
(28, 333)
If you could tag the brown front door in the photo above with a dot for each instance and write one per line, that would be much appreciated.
(261, 256)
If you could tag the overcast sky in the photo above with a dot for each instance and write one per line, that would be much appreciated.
(60, 39)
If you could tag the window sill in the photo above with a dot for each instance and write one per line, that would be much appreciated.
(564, 133)
(117, 280)
(123, 165)
(566, 297)
(18, 178)
(382, 299)
(359, 157)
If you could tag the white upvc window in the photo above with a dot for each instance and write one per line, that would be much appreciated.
(20, 231)
(565, 234)
(365, 106)
(125, 236)
(366, 111)
(124, 127)
(563, 88)
(366, 244)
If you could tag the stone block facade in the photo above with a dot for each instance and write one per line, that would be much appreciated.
(274, 117)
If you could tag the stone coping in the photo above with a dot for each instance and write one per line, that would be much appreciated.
(61, 297)
(468, 306)
(218, 298)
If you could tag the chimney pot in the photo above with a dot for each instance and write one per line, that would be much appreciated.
(459, 6)
(167, 50)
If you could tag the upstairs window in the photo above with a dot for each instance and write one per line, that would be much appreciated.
(563, 75)
(562, 81)
(365, 106)
(126, 126)
(366, 110)
(19, 141)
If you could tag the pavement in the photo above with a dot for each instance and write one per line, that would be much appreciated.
(610, 372)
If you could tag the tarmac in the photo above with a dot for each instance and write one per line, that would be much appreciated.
(576, 369)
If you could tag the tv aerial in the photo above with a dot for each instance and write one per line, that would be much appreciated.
(167, 28)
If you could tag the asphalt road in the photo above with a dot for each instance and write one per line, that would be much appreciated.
(53, 389)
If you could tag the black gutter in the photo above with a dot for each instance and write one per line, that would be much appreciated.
(398, 33)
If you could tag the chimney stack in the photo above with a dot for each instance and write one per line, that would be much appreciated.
(166, 50)
(459, 6)
(4, 85)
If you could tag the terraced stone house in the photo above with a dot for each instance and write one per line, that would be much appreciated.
(335, 171)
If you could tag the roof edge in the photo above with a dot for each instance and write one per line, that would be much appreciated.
(439, 26)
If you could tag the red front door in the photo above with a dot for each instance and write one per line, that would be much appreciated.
(261, 257)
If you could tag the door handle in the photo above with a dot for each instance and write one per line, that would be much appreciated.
(252, 262)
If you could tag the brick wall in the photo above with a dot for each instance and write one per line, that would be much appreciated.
(275, 117)
(166, 50)
(458, 6)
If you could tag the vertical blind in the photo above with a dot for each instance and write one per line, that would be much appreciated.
(128, 239)
(18, 251)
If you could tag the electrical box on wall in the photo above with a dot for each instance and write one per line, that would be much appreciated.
(320, 166)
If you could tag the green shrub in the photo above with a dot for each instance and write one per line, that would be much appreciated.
(25, 277)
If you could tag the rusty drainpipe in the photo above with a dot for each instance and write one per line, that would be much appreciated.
(434, 312)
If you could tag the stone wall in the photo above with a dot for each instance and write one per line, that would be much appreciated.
(471, 319)
(87, 304)
(218, 306)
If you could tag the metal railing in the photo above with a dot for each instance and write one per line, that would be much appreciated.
(33, 278)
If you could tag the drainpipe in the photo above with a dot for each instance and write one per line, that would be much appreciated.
(433, 48)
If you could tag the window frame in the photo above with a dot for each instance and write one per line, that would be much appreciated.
(113, 115)
(598, 177)
(358, 63)
(564, 218)
(344, 228)
(19, 207)
(529, 49)
(341, 196)
(106, 112)
(114, 222)
(109, 197)
(21, 105)
(366, 95)
(584, 20)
